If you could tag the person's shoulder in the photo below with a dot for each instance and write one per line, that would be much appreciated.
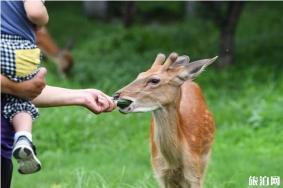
(12, 5)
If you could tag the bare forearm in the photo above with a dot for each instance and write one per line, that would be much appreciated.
(56, 96)
(92, 99)
(6, 85)
(49, 96)
(36, 12)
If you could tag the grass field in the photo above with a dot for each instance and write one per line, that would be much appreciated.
(82, 150)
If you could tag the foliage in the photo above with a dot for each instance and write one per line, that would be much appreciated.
(160, 10)
(79, 149)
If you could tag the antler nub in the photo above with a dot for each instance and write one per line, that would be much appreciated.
(171, 59)
(160, 58)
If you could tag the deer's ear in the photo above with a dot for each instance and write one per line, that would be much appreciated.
(195, 68)
(192, 70)
(181, 61)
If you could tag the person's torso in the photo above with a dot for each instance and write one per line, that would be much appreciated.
(14, 20)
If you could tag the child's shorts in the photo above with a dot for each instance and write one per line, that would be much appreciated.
(20, 59)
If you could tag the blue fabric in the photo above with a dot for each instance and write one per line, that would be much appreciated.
(7, 134)
(14, 20)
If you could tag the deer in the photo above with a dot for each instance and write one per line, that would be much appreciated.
(61, 57)
(181, 128)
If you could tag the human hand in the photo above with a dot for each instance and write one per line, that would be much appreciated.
(96, 101)
(31, 88)
(38, 29)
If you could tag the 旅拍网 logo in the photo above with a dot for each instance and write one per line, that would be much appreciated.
(264, 181)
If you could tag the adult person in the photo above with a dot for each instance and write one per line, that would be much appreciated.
(19, 63)
(20, 58)
(43, 96)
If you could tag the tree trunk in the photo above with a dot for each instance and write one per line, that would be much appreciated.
(129, 10)
(227, 34)
(190, 7)
(226, 49)
(94, 9)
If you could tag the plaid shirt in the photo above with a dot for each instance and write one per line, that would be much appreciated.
(9, 44)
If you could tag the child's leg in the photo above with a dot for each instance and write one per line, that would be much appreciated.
(22, 123)
(24, 150)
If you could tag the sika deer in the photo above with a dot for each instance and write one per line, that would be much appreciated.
(182, 128)
(61, 57)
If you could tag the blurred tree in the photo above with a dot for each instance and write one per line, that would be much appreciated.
(128, 11)
(96, 9)
(161, 11)
(226, 17)
(107, 10)
(190, 8)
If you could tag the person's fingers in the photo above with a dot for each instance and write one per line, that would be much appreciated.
(39, 78)
(41, 73)
(103, 102)
(94, 107)
(112, 106)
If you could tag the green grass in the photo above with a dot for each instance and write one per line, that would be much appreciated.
(82, 150)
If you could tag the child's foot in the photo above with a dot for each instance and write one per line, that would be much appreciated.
(24, 152)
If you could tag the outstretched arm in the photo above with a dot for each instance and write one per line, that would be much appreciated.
(95, 100)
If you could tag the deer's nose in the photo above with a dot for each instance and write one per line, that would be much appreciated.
(116, 96)
(124, 103)
(121, 103)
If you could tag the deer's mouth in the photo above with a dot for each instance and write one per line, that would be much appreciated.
(133, 106)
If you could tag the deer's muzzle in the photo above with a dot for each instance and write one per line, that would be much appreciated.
(124, 103)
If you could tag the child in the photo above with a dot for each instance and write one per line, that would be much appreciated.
(20, 59)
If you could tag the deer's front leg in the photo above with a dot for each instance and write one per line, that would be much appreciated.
(173, 180)
(158, 164)
(193, 178)
(169, 178)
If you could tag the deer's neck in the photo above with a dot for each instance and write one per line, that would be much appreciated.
(166, 134)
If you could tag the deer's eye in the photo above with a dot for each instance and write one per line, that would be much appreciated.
(153, 81)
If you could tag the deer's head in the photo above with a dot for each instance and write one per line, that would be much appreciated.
(159, 85)
(65, 58)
